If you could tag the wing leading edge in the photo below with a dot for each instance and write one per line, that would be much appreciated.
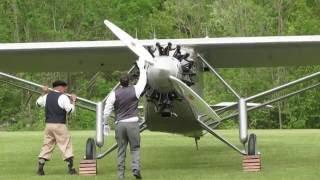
(231, 52)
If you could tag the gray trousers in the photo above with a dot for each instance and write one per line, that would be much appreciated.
(128, 132)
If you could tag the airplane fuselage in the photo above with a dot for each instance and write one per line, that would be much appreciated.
(165, 109)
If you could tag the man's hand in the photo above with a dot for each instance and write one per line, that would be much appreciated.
(73, 97)
(106, 130)
(45, 89)
(141, 63)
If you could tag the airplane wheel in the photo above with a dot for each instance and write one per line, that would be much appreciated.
(252, 145)
(90, 149)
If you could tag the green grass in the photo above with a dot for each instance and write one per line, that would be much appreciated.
(286, 154)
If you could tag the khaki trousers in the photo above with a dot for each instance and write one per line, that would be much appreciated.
(56, 134)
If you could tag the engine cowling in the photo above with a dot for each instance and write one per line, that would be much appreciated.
(158, 74)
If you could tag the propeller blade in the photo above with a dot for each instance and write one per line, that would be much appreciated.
(196, 102)
(129, 41)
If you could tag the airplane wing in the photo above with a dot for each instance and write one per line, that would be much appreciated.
(83, 56)
(234, 52)
(230, 52)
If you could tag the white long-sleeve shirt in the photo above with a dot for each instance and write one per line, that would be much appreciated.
(63, 102)
(139, 87)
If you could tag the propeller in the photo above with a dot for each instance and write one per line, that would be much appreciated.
(132, 43)
(198, 104)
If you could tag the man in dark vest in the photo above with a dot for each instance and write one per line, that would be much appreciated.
(57, 105)
(124, 101)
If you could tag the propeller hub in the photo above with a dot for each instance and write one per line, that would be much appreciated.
(159, 72)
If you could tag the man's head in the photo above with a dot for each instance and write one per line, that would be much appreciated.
(124, 80)
(60, 86)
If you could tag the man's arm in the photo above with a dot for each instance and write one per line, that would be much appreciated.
(141, 84)
(109, 107)
(65, 103)
(41, 101)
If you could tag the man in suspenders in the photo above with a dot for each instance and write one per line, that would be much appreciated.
(57, 105)
(124, 101)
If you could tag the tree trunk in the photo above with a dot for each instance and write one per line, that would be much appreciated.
(279, 114)
(280, 17)
(280, 71)
(15, 10)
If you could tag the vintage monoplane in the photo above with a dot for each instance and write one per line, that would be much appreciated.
(173, 100)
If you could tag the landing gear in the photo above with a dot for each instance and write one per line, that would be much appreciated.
(88, 166)
(252, 161)
(252, 145)
(90, 149)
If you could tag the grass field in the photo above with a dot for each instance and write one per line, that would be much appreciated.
(286, 154)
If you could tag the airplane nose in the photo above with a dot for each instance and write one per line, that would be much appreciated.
(158, 74)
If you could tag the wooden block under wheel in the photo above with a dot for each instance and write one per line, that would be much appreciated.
(88, 167)
(251, 163)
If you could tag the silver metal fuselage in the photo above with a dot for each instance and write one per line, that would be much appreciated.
(158, 78)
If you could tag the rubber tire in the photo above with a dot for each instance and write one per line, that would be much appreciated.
(252, 145)
(90, 149)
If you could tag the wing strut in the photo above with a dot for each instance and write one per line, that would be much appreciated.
(219, 76)
(35, 88)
